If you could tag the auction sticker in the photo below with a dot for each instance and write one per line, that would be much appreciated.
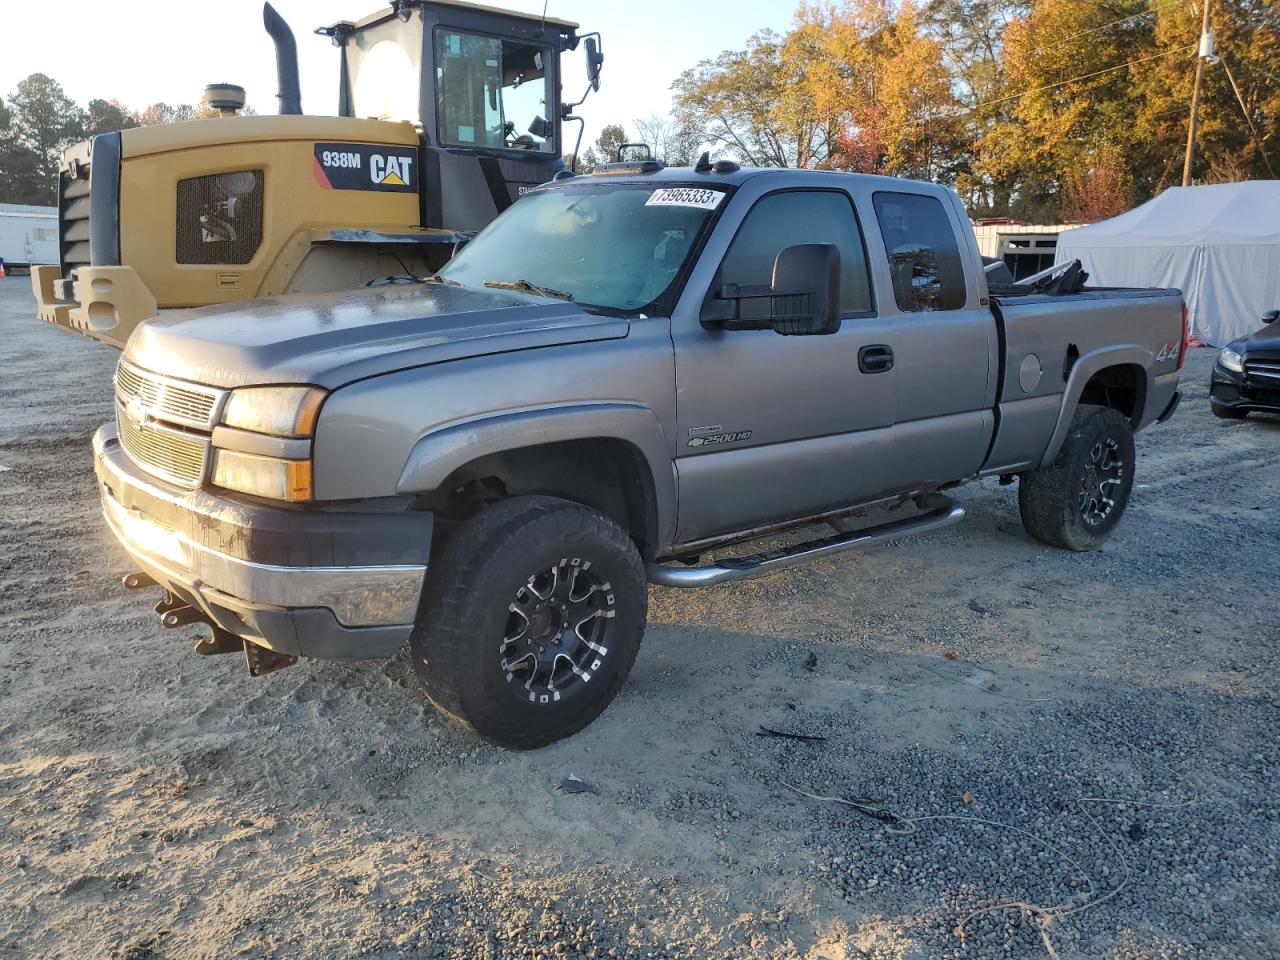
(685, 197)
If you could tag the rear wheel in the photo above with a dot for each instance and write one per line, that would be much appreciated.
(531, 620)
(1076, 501)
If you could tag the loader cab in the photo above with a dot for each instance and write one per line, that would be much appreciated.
(484, 88)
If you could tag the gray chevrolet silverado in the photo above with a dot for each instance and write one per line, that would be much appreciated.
(623, 374)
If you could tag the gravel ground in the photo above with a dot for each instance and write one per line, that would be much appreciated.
(1046, 753)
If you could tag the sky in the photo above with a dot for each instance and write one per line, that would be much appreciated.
(144, 51)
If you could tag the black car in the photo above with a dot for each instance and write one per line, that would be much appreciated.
(1247, 374)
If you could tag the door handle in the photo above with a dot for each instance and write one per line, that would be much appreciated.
(875, 358)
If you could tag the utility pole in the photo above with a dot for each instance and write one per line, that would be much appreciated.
(1205, 53)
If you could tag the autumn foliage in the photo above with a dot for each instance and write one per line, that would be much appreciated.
(1045, 109)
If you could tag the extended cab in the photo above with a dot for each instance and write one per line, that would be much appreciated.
(623, 374)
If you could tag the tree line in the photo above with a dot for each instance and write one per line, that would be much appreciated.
(38, 121)
(1043, 110)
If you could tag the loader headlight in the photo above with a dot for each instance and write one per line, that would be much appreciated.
(277, 411)
(1231, 360)
(262, 476)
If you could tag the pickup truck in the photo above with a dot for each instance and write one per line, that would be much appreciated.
(622, 376)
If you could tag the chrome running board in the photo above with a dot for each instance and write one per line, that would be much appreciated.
(942, 512)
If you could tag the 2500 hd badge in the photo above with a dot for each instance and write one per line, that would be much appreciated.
(366, 166)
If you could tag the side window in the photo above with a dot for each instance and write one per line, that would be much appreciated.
(492, 93)
(785, 219)
(924, 255)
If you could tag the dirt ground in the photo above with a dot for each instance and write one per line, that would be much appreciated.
(1090, 735)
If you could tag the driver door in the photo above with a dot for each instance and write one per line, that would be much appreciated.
(771, 427)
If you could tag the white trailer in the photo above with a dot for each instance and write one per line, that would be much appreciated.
(1026, 248)
(28, 235)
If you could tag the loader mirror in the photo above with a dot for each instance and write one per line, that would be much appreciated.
(595, 60)
(541, 128)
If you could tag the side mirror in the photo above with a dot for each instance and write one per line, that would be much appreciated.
(1271, 316)
(541, 128)
(595, 60)
(802, 300)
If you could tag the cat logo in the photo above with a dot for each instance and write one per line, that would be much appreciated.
(390, 171)
(366, 166)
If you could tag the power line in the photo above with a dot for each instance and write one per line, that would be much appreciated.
(1106, 26)
(1040, 89)
(1247, 118)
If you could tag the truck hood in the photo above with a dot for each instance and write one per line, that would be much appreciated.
(331, 339)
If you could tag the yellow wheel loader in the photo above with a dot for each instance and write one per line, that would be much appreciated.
(448, 112)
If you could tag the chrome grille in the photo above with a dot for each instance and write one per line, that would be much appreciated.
(1265, 372)
(173, 401)
(165, 424)
(172, 454)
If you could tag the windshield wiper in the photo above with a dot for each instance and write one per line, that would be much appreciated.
(436, 278)
(528, 287)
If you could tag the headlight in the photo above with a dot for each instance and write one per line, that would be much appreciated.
(262, 476)
(278, 411)
(1231, 360)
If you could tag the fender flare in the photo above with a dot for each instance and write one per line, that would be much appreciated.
(1120, 355)
(442, 451)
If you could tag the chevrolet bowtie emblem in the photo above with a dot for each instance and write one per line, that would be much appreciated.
(136, 411)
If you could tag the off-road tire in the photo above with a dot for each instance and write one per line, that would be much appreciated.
(1228, 413)
(458, 640)
(1049, 499)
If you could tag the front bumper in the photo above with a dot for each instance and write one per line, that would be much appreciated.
(104, 303)
(1229, 390)
(310, 582)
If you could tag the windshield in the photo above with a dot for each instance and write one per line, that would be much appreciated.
(386, 67)
(617, 246)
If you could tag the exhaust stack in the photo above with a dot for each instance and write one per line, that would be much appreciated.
(289, 93)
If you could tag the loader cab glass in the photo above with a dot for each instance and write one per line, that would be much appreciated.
(493, 93)
(386, 71)
(469, 77)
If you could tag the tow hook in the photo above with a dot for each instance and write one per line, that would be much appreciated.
(221, 641)
(136, 581)
(262, 661)
(182, 616)
(168, 602)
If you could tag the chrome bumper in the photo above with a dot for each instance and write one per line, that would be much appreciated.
(347, 611)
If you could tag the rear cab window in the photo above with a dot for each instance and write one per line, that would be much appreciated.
(925, 261)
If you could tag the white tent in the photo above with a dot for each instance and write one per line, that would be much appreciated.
(1218, 244)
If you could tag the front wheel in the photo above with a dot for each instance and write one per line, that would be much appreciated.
(1076, 501)
(531, 620)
